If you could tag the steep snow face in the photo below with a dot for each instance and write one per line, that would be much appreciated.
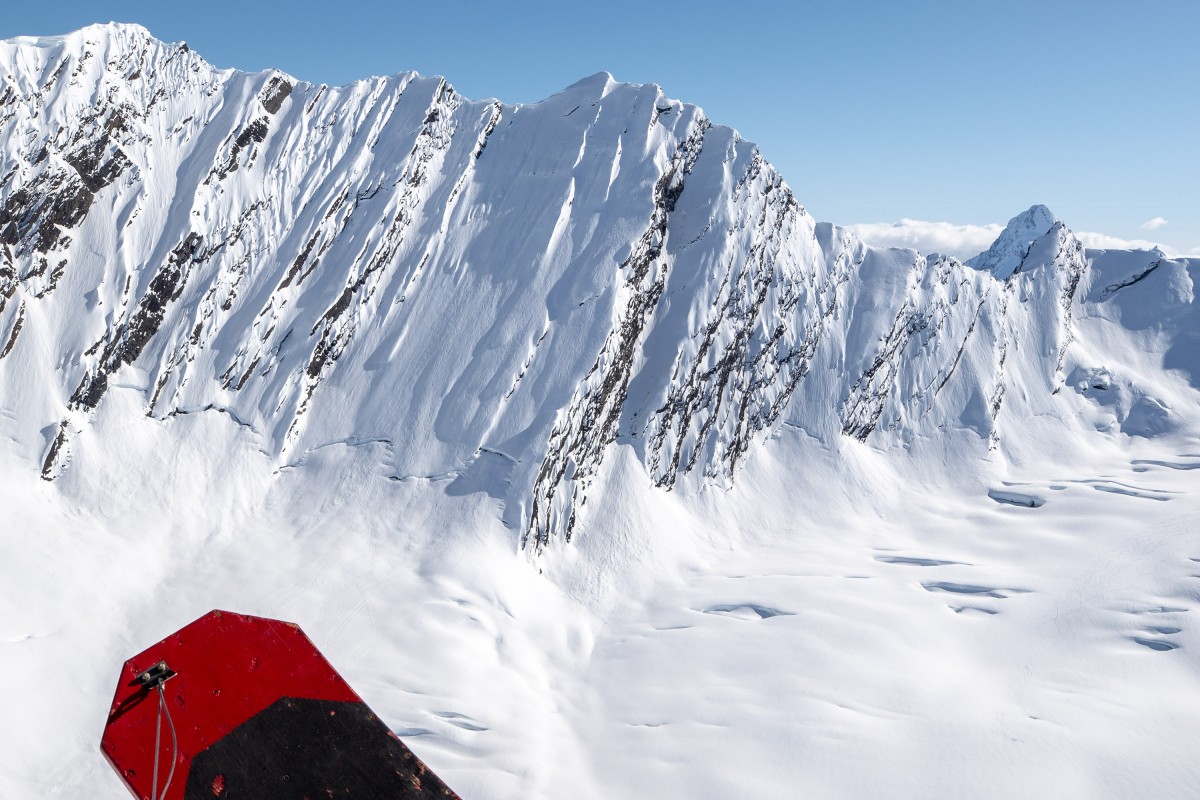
(501, 293)
(335, 354)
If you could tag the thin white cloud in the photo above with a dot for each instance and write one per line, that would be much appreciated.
(1153, 224)
(967, 241)
(1102, 241)
(961, 241)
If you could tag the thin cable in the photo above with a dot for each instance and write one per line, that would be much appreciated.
(163, 708)
(174, 740)
(157, 740)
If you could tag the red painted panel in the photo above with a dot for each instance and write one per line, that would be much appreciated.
(228, 668)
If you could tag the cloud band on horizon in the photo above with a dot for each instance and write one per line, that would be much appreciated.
(966, 241)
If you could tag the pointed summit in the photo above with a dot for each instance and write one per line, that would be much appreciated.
(115, 28)
(1011, 246)
(599, 81)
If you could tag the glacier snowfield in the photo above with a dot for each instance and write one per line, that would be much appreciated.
(893, 638)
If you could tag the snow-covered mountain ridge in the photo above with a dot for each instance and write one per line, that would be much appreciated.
(844, 521)
(467, 281)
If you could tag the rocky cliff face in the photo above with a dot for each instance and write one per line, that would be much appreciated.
(505, 294)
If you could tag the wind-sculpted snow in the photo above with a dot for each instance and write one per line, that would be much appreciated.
(511, 294)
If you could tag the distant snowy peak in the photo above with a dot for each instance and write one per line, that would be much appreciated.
(1011, 247)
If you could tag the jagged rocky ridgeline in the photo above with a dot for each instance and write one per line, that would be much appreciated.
(506, 293)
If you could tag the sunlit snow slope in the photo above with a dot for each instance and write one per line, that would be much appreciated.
(597, 464)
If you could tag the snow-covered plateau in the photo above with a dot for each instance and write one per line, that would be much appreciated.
(594, 462)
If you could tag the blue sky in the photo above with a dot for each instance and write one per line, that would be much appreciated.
(965, 113)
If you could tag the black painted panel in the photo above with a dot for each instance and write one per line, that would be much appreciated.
(298, 749)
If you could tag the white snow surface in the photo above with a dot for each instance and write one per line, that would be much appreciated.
(593, 462)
